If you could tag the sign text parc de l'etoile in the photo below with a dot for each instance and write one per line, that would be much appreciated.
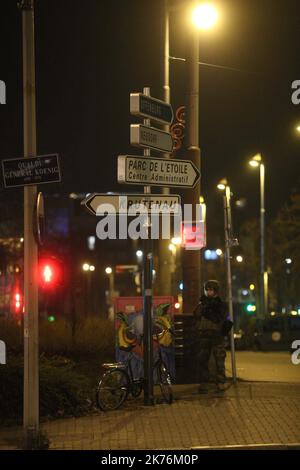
(31, 170)
(157, 172)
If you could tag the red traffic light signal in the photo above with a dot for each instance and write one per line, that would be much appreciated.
(50, 273)
(17, 302)
(193, 235)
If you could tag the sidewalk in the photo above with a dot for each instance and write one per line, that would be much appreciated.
(248, 414)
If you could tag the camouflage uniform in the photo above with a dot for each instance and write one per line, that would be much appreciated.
(210, 315)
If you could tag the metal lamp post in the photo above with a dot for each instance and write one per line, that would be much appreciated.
(31, 320)
(204, 16)
(255, 162)
(229, 242)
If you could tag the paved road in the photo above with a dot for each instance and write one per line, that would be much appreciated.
(262, 409)
(247, 415)
(265, 366)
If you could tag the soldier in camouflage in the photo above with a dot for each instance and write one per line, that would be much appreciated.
(210, 314)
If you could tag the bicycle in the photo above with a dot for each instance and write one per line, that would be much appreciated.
(118, 382)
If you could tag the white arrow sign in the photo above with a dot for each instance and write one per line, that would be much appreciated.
(102, 204)
(157, 172)
(143, 136)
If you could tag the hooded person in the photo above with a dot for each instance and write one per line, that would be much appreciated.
(210, 315)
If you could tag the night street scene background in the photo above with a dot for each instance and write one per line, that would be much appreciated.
(92, 294)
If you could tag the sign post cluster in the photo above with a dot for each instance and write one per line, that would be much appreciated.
(147, 171)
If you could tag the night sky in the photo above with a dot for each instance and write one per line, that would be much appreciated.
(91, 54)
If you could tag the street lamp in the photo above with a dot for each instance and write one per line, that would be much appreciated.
(256, 162)
(204, 16)
(229, 242)
(85, 267)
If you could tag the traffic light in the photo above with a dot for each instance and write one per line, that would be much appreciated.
(193, 235)
(17, 302)
(50, 273)
(251, 308)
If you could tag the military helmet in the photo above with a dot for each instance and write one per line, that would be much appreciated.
(212, 284)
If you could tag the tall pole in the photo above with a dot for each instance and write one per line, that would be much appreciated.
(191, 259)
(166, 61)
(228, 239)
(262, 241)
(112, 291)
(163, 274)
(147, 293)
(31, 347)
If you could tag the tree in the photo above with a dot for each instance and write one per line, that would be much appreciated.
(284, 245)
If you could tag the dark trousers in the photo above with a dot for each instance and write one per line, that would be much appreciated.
(205, 346)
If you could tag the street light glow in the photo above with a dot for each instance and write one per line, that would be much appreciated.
(204, 16)
(92, 268)
(172, 248)
(108, 270)
(86, 267)
(298, 129)
(239, 259)
(139, 253)
(219, 251)
(288, 261)
(222, 184)
(255, 161)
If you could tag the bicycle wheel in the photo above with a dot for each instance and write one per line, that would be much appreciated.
(112, 389)
(164, 381)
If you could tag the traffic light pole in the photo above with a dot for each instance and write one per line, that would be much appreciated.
(147, 293)
(228, 241)
(31, 348)
(263, 275)
(191, 258)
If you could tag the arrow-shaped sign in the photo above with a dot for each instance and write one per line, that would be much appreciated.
(143, 136)
(152, 108)
(103, 204)
(157, 171)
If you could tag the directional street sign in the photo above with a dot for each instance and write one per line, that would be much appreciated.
(151, 108)
(102, 204)
(157, 171)
(33, 170)
(149, 137)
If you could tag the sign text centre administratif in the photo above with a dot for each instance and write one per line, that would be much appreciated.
(156, 171)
